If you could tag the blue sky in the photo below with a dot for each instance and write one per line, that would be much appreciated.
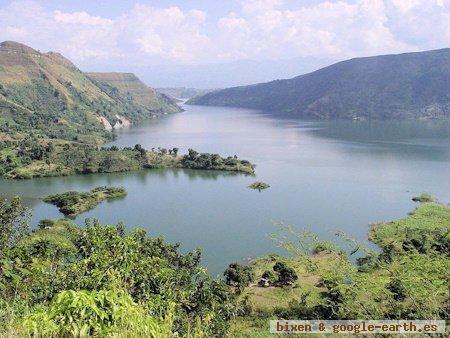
(114, 8)
(170, 42)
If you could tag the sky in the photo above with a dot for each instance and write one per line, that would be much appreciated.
(215, 44)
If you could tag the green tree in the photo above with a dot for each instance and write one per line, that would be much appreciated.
(238, 275)
(286, 274)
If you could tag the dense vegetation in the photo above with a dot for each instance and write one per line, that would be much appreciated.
(411, 85)
(72, 203)
(38, 157)
(63, 281)
(99, 280)
(44, 93)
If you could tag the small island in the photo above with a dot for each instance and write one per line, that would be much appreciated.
(72, 203)
(259, 186)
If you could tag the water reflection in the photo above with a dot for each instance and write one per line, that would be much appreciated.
(33, 190)
(427, 140)
(409, 132)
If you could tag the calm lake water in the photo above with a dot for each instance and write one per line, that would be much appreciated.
(324, 176)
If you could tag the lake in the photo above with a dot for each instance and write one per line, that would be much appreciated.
(324, 177)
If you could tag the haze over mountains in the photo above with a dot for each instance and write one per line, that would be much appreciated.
(224, 75)
(410, 85)
(46, 93)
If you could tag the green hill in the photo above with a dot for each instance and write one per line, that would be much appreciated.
(411, 85)
(45, 94)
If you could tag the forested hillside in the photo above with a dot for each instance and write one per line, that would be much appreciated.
(411, 85)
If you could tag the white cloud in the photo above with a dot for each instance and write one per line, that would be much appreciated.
(167, 33)
(330, 29)
(81, 18)
(424, 24)
(77, 35)
(259, 5)
(261, 29)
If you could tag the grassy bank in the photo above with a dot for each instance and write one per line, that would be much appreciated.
(72, 203)
(407, 279)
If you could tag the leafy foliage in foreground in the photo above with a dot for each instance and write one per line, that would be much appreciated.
(103, 313)
(72, 203)
(64, 280)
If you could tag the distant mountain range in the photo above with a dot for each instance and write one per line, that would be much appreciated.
(410, 85)
(183, 92)
(45, 93)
